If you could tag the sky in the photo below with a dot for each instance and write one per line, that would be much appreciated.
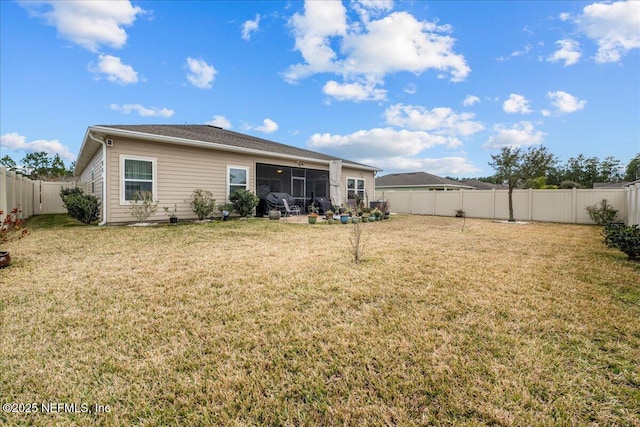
(406, 86)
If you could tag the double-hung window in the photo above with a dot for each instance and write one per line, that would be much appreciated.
(355, 188)
(138, 174)
(237, 179)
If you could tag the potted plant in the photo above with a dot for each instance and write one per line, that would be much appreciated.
(329, 215)
(459, 213)
(225, 210)
(313, 213)
(11, 228)
(274, 214)
(344, 215)
(173, 213)
(377, 214)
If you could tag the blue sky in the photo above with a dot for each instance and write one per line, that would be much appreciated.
(435, 86)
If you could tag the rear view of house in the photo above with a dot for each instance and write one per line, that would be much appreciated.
(172, 160)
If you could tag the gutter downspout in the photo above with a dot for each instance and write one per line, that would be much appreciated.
(104, 178)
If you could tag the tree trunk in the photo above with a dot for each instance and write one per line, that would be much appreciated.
(511, 218)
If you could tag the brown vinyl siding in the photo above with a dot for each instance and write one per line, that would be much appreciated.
(181, 169)
(369, 182)
(93, 174)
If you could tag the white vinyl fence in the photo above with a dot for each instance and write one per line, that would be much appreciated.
(633, 203)
(568, 206)
(31, 197)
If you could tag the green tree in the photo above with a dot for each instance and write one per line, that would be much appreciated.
(632, 172)
(515, 166)
(37, 164)
(8, 163)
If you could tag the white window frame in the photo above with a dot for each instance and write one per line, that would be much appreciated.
(364, 186)
(154, 180)
(229, 167)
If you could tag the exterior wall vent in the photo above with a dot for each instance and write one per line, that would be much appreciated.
(109, 142)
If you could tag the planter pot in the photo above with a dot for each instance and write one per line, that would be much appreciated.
(355, 219)
(330, 220)
(274, 215)
(372, 218)
(386, 215)
(173, 220)
(312, 219)
(5, 259)
(344, 219)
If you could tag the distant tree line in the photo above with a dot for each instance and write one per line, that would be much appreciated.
(577, 172)
(40, 166)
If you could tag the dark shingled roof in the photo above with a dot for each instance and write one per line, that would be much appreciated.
(214, 134)
(416, 179)
(481, 185)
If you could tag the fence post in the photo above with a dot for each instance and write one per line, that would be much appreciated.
(530, 213)
(493, 203)
(3, 191)
(574, 205)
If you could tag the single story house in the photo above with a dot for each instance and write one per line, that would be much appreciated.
(417, 181)
(171, 161)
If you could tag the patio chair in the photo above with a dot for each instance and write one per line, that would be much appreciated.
(289, 210)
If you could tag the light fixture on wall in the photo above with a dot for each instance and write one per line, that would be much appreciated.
(279, 170)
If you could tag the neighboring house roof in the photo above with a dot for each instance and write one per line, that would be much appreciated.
(204, 136)
(417, 180)
(610, 184)
(481, 185)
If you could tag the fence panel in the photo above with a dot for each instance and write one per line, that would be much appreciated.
(478, 204)
(31, 197)
(50, 200)
(632, 194)
(567, 206)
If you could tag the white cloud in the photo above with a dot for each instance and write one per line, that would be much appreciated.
(399, 42)
(565, 103)
(142, 111)
(15, 141)
(564, 16)
(268, 126)
(89, 24)
(516, 104)
(371, 8)
(518, 52)
(440, 121)
(384, 142)
(569, 52)
(470, 100)
(438, 166)
(250, 27)
(115, 70)
(411, 89)
(219, 121)
(615, 27)
(354, 91)
(520, 134)
(392, 150)
(312, 31)
(201, 74)
(370, 48)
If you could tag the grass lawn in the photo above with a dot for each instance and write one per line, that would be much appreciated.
(270, 323)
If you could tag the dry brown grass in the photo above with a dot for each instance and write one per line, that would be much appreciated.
(265, 323)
